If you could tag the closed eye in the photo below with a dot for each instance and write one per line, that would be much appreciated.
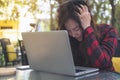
(76, 28)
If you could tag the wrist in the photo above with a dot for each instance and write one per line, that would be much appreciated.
(85, 27)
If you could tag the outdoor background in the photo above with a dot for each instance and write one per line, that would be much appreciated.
(18, 16)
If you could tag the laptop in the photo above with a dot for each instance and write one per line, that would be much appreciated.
(50, 51)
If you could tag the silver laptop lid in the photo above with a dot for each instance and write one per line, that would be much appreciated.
(49, 51)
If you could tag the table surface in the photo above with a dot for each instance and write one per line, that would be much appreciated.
(36, 75)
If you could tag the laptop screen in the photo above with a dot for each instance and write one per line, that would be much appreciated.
(49, 51)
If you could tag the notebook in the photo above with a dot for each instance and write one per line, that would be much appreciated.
(50, 51)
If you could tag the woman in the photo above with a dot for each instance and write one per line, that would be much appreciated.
(92, 46)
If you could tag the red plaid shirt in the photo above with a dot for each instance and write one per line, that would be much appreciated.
(96, 53)
(100, 52)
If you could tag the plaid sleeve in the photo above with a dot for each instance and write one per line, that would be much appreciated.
(100, 54)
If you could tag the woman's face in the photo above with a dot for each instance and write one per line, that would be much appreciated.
(73, 29)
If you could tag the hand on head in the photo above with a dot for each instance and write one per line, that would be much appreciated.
(84, 16)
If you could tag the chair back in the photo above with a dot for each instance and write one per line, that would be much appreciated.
(23, 53)
(10, 54)
(4, 42)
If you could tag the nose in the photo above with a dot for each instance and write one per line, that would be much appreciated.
(73, 34)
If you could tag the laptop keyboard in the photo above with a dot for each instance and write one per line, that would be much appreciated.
(78, 70)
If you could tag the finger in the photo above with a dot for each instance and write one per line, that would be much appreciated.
(86, 8)
(77, 9)
(83, 8)
(78, 14)
(80, 10)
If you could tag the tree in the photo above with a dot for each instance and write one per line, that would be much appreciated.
(117, 17)
(112, 3)
(100, 11)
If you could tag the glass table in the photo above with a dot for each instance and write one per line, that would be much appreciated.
(37, 75)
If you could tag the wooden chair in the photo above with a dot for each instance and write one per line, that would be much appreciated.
(116, 58)
(116, 63)
(10, 55)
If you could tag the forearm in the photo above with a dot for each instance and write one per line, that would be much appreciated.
(100, 55)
